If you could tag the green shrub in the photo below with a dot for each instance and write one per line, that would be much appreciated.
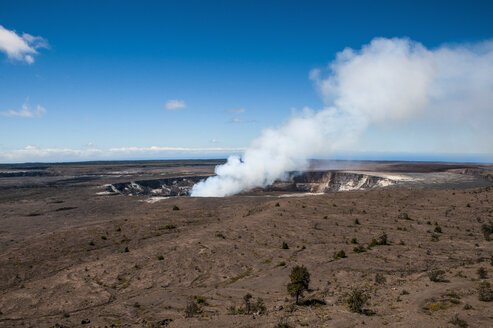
(232, 310)
(380, 279)
(435, 237)
(437, 275)
(459, 322)
(220, 235)
(192, 309)
(176, 208)
(382, 240)
(340, 254)
(282, 323)
(259, 306)
(487, 230)
(482, 273)
(485, 293)
(404, 216)
(359, 249)
(284, 245)
(357, 300)
(247, 299)
(200, 299)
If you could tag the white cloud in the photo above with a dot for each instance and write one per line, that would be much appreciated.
(175, 104)
(33, 153)
(236, 110)
(440, 100)
(20, 48)
(236, 120)
(25, 111)
(213, 140)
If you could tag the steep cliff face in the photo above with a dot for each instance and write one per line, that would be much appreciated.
(327, 181)
(486, 174)
(157, 187)
(312, 182)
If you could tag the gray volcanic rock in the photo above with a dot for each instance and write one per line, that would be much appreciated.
(157, 187)
(328, 181)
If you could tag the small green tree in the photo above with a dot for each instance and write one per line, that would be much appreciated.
(247, 299)
(300, 279)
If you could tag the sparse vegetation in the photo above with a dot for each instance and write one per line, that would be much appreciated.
(282, 323)
(487, 230)
(357, 299)
(192, 308)
(359, 249)
(437, 275)
(404, 216)
(222, 260)
(201, 300)
(300, 280)
(482, 273)
(220, 235)
(380, 279)
(339, 255)
(382, 240)
(485, 293)
(436, 306)
(247, 299)
(459, 322)
(176, 208)
(257, 307)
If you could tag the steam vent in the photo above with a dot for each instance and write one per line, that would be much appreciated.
(318, 182)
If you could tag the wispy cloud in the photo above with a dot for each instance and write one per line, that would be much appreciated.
(213, 140)
(175, 104)
(34, 153)
(20, 47)
(236, 110)
(236, 120)
(25, 111)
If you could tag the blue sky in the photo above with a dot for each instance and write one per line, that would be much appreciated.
(238, 67)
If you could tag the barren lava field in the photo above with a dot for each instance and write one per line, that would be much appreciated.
(74, 255)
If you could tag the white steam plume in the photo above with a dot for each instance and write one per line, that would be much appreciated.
(388, 80)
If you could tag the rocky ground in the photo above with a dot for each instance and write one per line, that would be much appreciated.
(72, 258)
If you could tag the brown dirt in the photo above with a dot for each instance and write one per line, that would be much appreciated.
(63, 258)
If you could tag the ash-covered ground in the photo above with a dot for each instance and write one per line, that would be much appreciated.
(119, 244)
